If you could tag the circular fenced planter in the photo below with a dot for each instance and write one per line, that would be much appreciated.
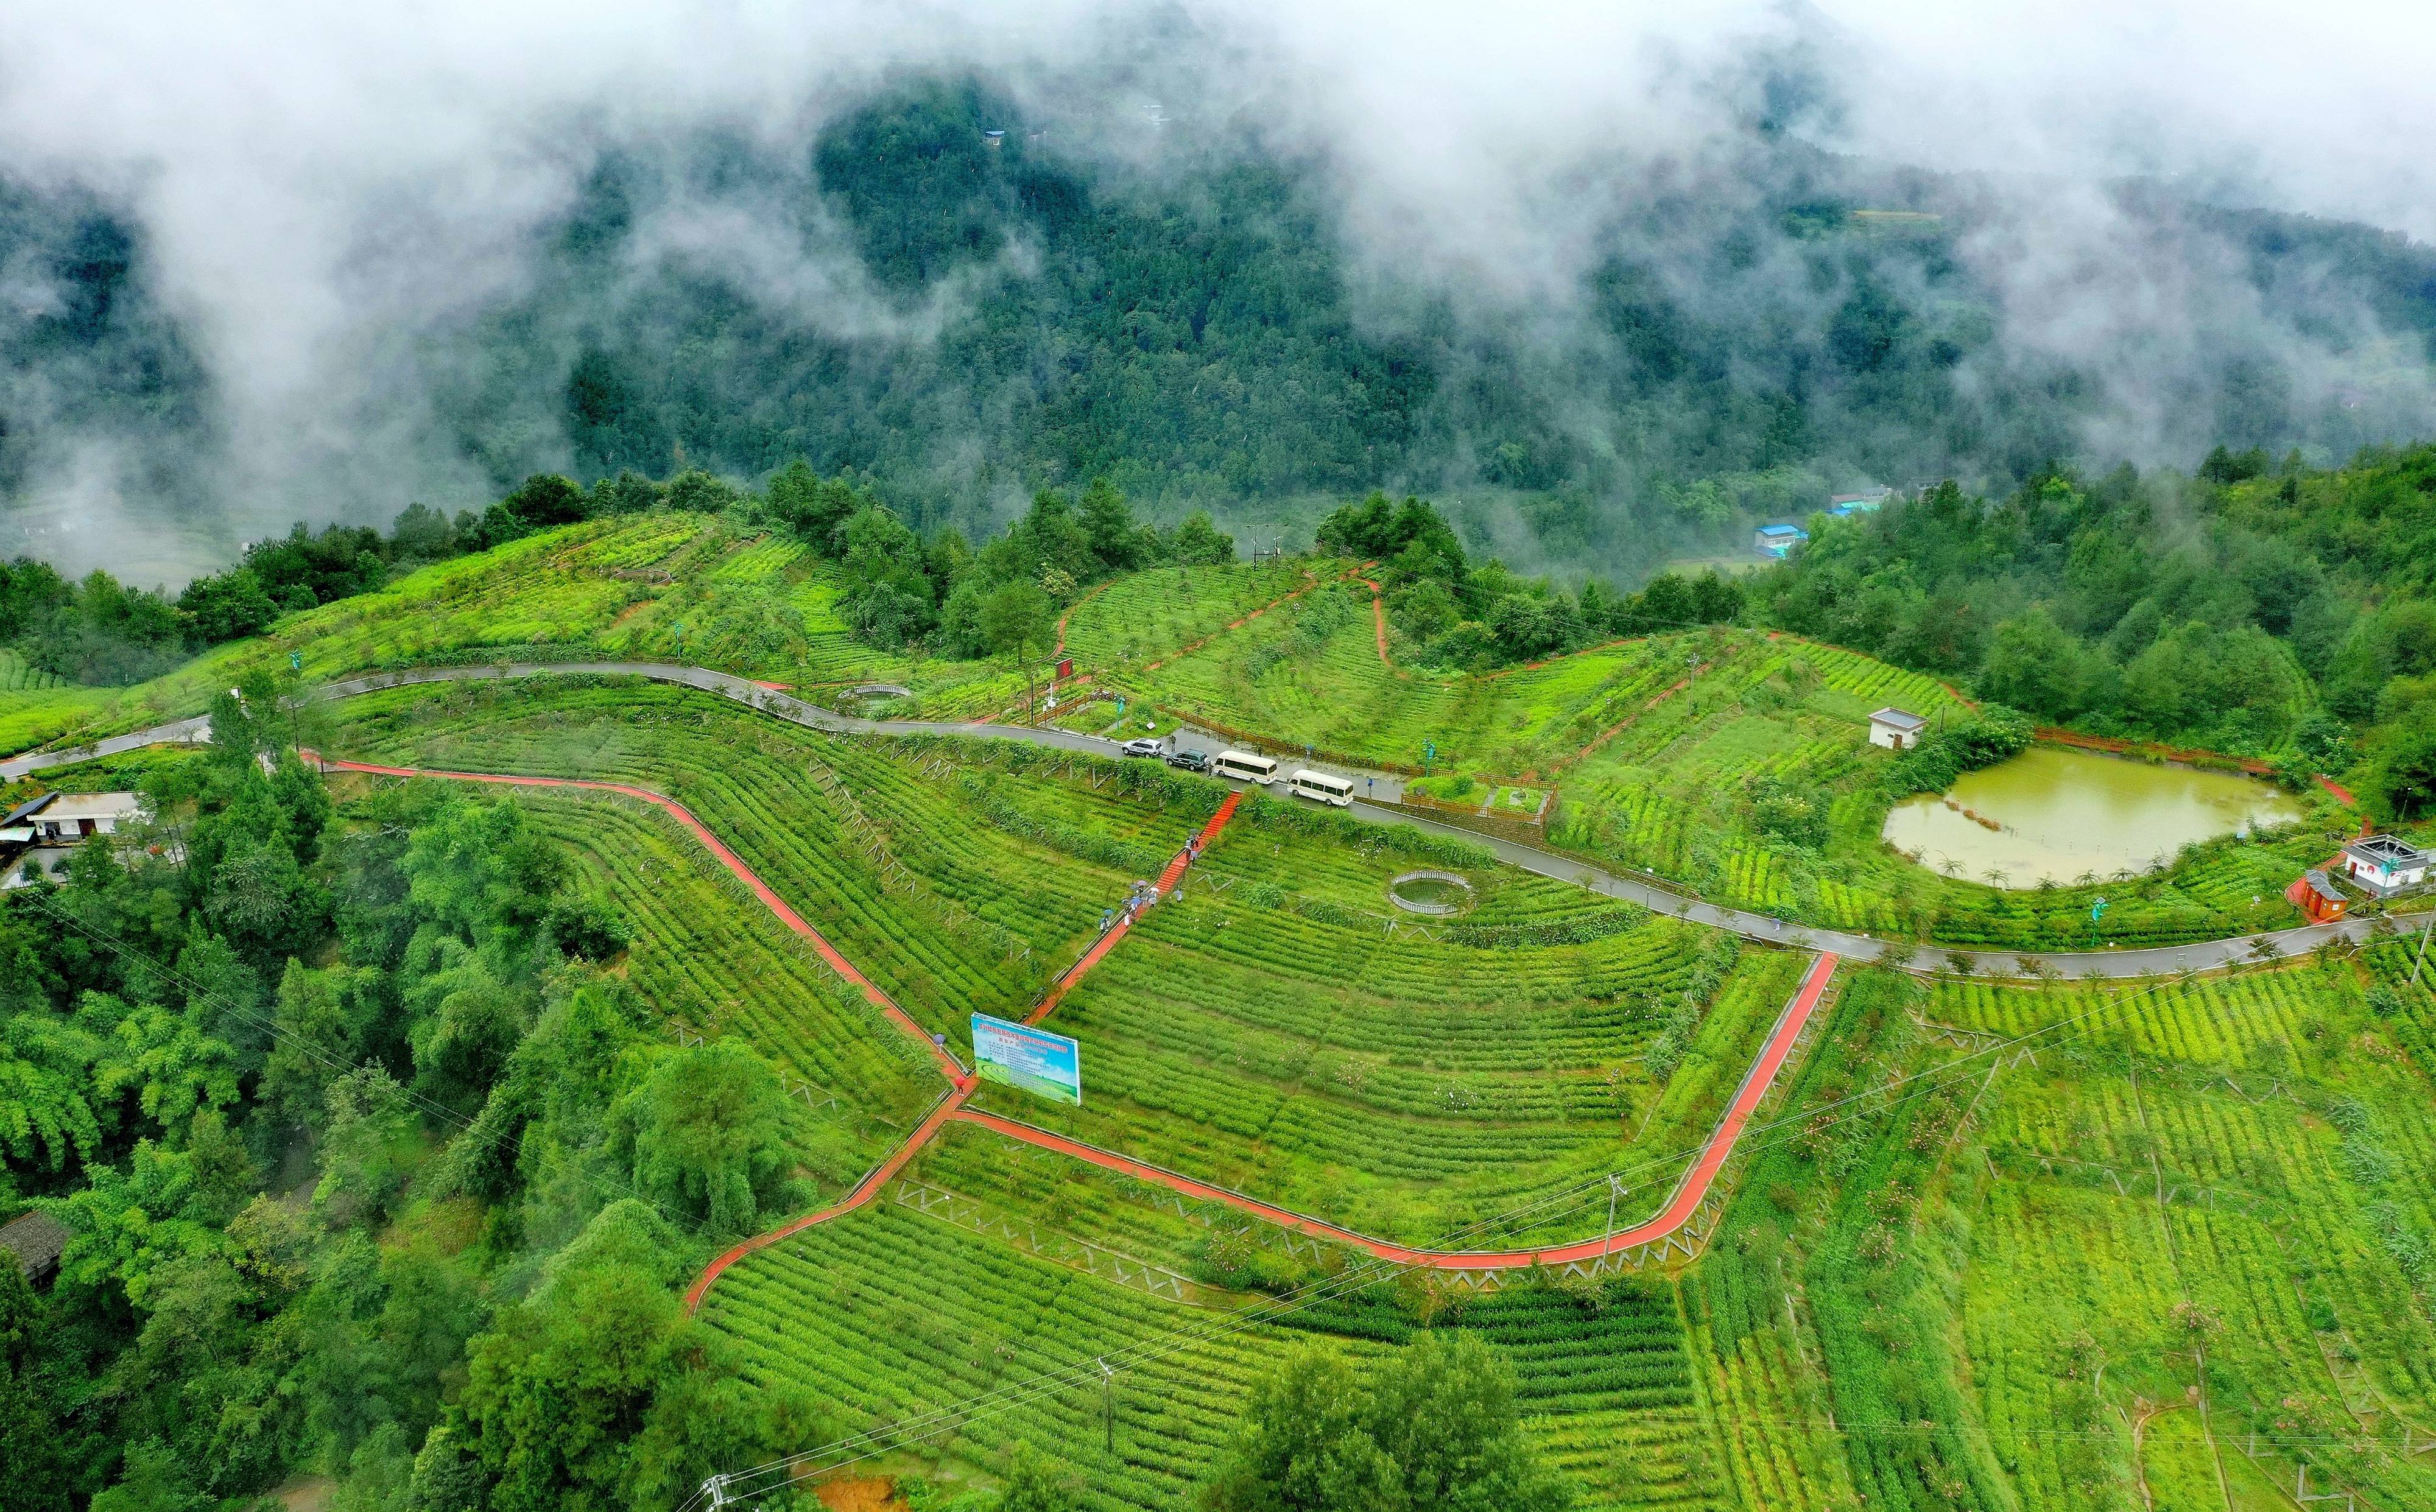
(1437, 893)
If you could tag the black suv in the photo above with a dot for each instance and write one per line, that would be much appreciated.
(1188, 760)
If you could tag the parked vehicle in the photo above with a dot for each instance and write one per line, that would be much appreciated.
(1322, 787)
(1246, 766)
(1144, 747)
(1188, 760)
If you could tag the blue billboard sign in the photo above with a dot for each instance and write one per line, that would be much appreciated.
(1031, 1059)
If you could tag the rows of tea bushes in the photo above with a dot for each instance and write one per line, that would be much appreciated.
(1985, 1283)
(1145, 616)
(946, 909)
(1601, 1363)
(714, 961)
(887, 1316)
(1400, 1085)
(1310, 674)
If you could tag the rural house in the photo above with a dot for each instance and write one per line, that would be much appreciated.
(1778, 540)
(36, 1239)
(2385, 864)
(1896, 729)
(37, 835)
(65, 818)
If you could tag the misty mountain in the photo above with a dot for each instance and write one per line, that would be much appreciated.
(1741, 327)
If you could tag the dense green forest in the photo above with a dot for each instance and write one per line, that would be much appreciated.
(1762, 327)
(365, 1162)
(2258, 608)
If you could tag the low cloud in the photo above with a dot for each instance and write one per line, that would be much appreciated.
(326, 196)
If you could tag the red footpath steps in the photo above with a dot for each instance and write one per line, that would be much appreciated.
(1167, 880)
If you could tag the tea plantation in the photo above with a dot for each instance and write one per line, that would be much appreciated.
(1967, 1243)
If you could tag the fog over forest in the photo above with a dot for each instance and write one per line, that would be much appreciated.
(1604, 280)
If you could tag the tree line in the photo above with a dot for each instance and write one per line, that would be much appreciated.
(2255, 607)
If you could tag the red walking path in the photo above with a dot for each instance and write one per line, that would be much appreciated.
(1688, 1195)
(1167, 880)
(953, 1069)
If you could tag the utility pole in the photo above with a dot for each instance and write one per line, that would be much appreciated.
(716, 1488)
(1615, 1188)
(2423, 950)
(1109, 1405)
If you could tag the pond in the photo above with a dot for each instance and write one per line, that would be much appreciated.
(2055, 815)
(1438, 892)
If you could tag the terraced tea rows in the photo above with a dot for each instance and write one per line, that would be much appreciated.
(716, 962)
(1400, 1086)
(949, 911)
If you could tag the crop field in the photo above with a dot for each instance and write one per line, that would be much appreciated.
(889, 1313)
(2178, 1254)
(1310, 674)
(950, 899)
(1671, 793)
(1406, 1085)
(714, 961)
(1149, 615)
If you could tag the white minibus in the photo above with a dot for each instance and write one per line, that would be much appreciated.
(1323, 785)
(1243, 766)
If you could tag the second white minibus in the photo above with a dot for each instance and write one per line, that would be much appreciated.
(1245, 765)
(1326, 787)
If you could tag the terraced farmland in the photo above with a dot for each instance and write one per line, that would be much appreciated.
(895, 861)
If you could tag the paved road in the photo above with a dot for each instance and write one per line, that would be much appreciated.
(2203, 956)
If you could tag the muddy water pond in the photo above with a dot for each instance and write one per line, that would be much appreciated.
(2053, 815)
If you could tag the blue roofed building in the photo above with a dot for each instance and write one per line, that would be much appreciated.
(1844, 506)
(1778, 540)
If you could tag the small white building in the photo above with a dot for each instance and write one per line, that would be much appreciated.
(2385, 863)
(57, 818)
(1896, 729)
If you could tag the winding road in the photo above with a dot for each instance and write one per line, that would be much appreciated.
(2206, 955)
(1683, 1202)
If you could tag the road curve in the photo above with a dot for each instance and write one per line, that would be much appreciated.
(2206, 955)
(1689, 1192)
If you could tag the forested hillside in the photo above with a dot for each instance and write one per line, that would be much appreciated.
(1182, 310)
(2255, 608)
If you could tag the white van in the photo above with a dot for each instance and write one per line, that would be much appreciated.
(1324, 787)
(1246, 767)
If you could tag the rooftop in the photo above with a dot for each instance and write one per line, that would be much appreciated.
(1784, 530)
(2319, 882)
(37, 1238)
(1897, 719)
(66, 806)
(2387, 850)
(25, 811)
